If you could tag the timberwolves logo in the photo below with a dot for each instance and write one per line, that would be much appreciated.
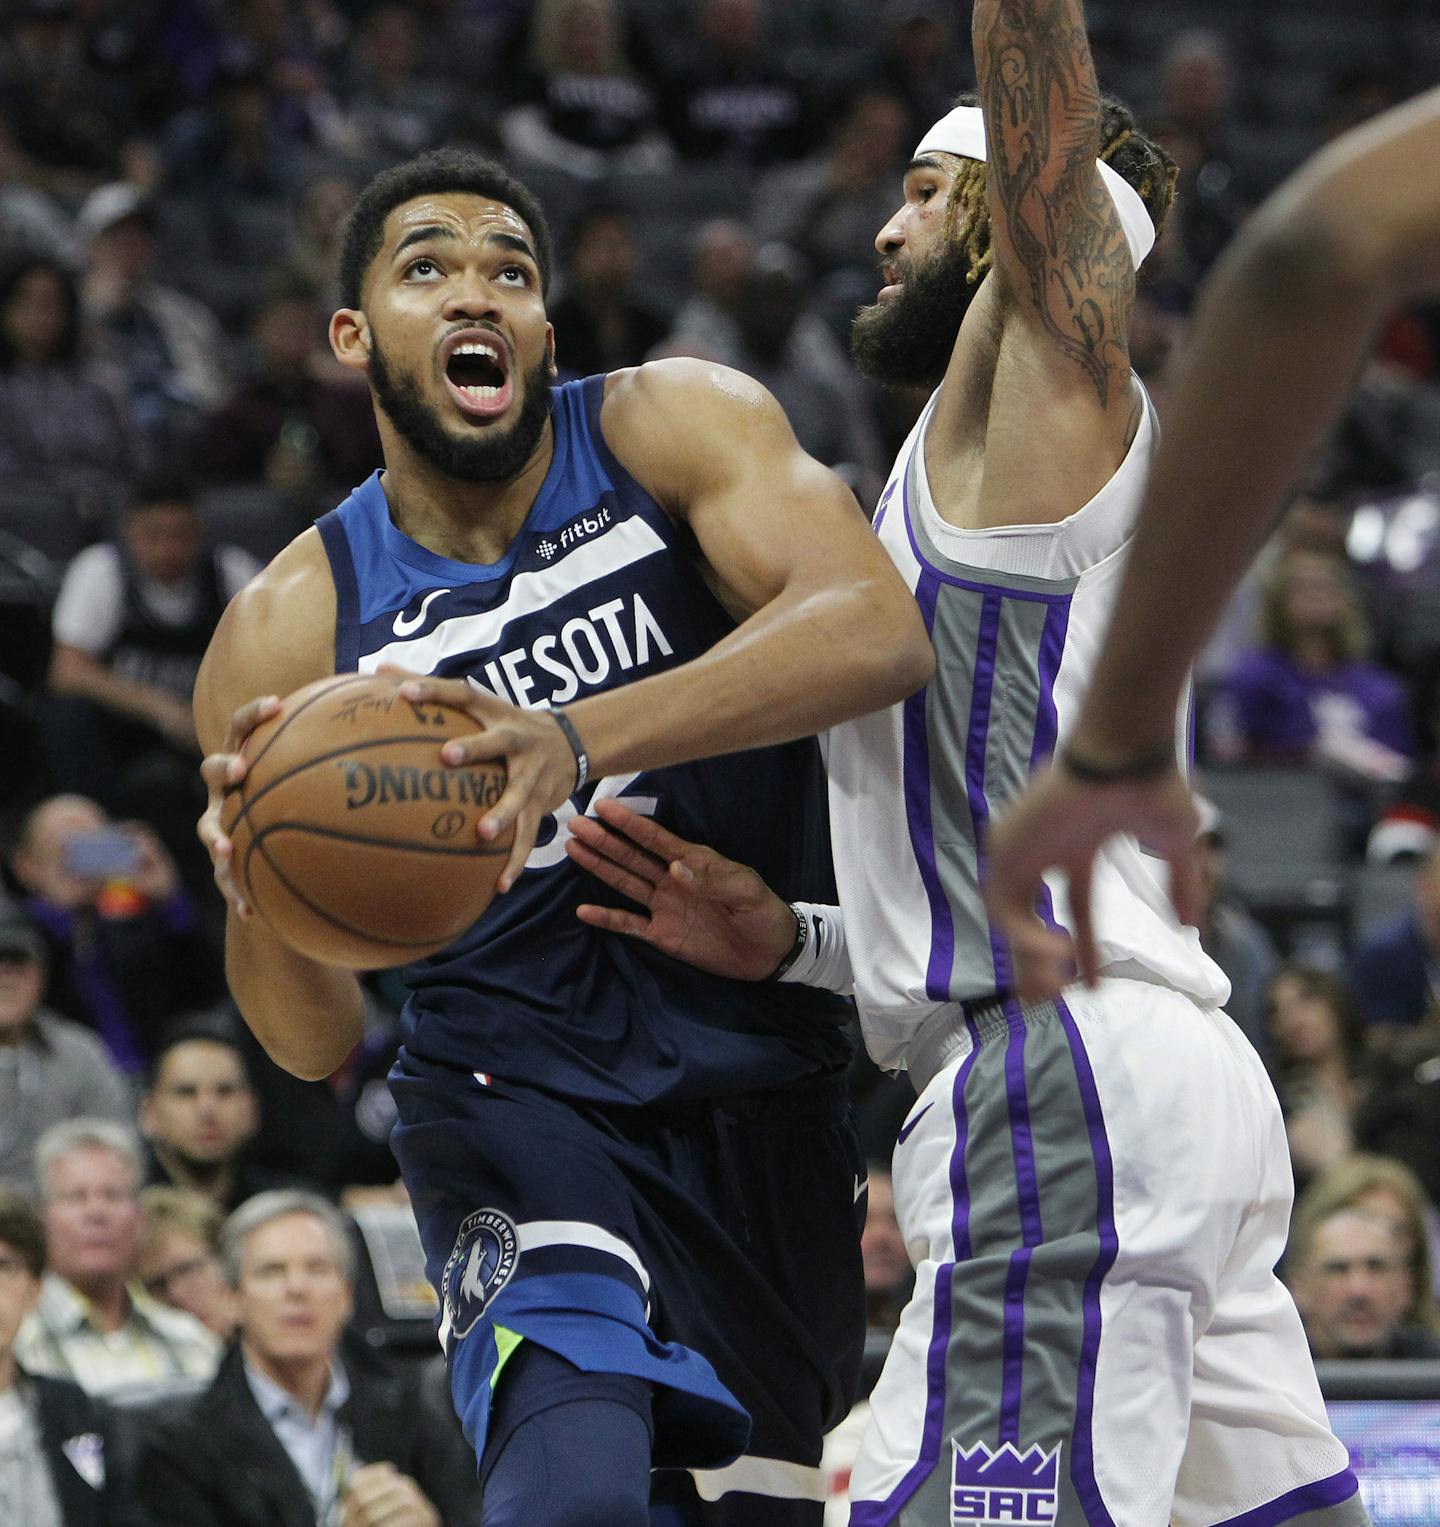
(479, 1267)
(1004, 1487)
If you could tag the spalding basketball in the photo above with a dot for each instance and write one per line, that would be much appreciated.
(351, 838)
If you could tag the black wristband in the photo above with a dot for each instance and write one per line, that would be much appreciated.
(1128, 771)
(582, 758)
(802, 937)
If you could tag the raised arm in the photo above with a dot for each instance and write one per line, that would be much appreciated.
(1284, 325)
(1058, 245)
(276, 635)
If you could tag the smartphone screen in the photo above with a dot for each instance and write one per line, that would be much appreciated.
(101, 855)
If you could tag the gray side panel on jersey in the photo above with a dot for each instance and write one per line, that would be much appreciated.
(990, 575)
(1011, 742)
(951, 699)
(1052, 1110)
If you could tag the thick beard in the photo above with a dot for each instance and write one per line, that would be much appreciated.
(907, 340)
(491, 456)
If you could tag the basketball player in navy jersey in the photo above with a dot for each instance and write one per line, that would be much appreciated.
(639, 1189)
(1284, 325)
(1095, 1189)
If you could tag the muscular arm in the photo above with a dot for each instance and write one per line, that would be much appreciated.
(833, 631)
(1058, 245)
(1283, 326)
(276, 635)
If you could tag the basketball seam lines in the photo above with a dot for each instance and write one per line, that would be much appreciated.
(406, 845)
(341, 679)
(320, 912)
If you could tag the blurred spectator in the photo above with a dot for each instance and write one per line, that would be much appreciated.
(1392, 1191)
(1400, 1115)
(168, 346)
(178, 1261)
(126, 948)
(58, 1463)
(601, 322)
(829, 207)
(580, 104)
(1394, 968)
(919, 63)
(95, 1324)
(31, 221)
(132, 620)
(293, 422)
(888, 1274)
(50, 1069)
(66, 119)
(729, 97)
(810, 379)
(707, 324)
(319, 222)
(387, 107)
(1352, 1286)
(355, 1442)
(1230, 935)
(199, 1114)
(1196, 88)
(59, 413)
(1314, 1041)
(241, 142)
(1308, 692)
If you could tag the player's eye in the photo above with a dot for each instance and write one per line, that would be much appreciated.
(516, 273)
(423, 267)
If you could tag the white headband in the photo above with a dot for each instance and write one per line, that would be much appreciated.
(963, 133)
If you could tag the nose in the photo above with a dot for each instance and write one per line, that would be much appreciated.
(472, 296)
(892, 236)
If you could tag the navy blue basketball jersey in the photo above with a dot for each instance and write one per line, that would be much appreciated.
(599, 588)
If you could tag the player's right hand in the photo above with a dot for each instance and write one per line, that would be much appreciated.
(700, 907)
(222, 772)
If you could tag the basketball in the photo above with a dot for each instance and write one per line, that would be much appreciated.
(351, 839)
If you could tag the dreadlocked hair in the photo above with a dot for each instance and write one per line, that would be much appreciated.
(1135, 158)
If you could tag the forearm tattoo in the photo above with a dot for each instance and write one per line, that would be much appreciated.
(1043, 110)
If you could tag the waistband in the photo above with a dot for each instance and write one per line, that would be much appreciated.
(951, 1030)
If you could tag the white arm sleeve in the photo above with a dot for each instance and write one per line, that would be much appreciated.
(825, 959)
(90, 605)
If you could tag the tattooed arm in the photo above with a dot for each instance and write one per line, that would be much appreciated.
(1059, 251)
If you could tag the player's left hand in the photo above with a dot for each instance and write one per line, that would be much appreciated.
(1061, 823)
(539, 765)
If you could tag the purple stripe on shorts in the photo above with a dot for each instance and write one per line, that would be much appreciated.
(1325, 1492)
(916, 742)
(1052, 650)
(874, 1513)
(1082, 1450)
(1027, 1193)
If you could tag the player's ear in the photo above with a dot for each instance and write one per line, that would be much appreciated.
(550, 351)
(350, 338)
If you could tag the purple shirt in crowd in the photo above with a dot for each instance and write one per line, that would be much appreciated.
(1278, 708)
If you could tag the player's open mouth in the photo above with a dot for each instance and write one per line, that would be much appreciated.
(477, 373)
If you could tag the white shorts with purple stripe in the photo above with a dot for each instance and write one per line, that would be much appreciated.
(1094, 1194)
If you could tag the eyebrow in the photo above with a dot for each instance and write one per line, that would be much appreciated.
(924, 162)
(429, 231)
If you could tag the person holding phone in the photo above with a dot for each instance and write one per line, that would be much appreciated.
(126, 947)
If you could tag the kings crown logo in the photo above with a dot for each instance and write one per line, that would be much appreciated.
(996, 1489)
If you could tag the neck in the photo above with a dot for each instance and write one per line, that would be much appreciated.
(7, 1371)
(214, 1179)
(109, 1301)
(1314, 652)
(465, 521)
(305, 1379)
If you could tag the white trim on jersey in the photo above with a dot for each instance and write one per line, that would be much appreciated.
(772, 1477)
(630, 541)
(537, 1233)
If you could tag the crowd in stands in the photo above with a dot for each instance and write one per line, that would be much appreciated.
(174, 177)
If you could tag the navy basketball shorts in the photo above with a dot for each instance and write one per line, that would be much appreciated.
(711, 1250)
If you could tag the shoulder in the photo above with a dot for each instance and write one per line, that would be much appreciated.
(98, 566)
(276, 634)
(682, 425)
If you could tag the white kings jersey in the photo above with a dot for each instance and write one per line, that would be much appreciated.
(1016, 615)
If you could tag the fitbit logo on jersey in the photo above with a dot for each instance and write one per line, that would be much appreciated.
(484, 1257)
(1004, 1487)
(577, 530)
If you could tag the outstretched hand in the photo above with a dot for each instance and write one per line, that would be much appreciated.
(699, 906)
(1061, 823)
